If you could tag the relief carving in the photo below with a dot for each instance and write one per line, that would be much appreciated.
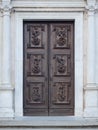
(62, 64)
(62, 37)
(6, 10)
(34, 64)
(35, 36)
(61, 92)
(35, 92)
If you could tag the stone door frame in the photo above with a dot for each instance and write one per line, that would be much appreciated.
(17, 24)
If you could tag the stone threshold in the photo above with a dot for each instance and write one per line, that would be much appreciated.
(49, 122)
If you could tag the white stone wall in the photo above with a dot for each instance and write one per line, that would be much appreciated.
(85, 14)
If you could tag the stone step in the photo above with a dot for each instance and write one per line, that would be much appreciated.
(46, 123)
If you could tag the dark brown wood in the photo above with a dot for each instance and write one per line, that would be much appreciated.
(61, 69)
(48, 68)
(35, 69)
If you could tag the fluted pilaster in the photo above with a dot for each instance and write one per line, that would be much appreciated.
(90, 89)
(6, 89)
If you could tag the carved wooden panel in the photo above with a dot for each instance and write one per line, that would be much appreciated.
(35, 64)
(48, 68)
(62, 64)
(35, 69)
(35, 93)
(61, 93)
(35, 36)
(61, 69)
(62, 36)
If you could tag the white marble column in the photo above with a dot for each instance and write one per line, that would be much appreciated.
(6, 89)
(90, 89)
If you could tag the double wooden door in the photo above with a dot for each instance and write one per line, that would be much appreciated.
(48, 68)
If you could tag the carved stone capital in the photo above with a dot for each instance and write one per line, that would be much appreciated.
(90, 9)
(6, 10)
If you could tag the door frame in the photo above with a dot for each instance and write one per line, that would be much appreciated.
(17, 24)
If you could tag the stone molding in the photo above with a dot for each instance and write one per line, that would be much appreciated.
(90, 88)
(6, 88)
(49, 5)
(7, 7)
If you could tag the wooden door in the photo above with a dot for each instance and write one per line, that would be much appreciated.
(48, 68)
(61, 69)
